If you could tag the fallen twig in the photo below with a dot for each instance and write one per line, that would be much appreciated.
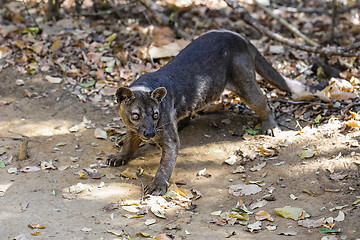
(21, 139)
(27, 11)
(142, 187)
(289, 26)
(333, 20)
(348, 107)
(330, 50)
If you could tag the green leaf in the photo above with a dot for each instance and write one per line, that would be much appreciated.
(31, 30)
(325, 230)
(172, 16)
(356, 202)
(87, 84)
(318, 118)
(251, 131)
(2, 164)
(109, 69)
(111, 37)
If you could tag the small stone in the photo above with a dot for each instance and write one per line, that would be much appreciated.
(20, 82)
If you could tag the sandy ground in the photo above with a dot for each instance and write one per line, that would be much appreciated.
(38, 197)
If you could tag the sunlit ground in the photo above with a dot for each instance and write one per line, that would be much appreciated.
(300, 166)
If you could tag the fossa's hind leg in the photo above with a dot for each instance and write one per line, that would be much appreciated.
(184, 123)
(243, 82)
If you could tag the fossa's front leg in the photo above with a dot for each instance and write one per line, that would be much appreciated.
(131, 144)
(168, 141)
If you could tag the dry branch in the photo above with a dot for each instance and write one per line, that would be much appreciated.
(289, 26)
(331, 50)
(162, 19)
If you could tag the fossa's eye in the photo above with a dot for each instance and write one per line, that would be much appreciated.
(135, 116)
(156, 116)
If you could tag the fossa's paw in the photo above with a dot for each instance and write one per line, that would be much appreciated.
(271, 131)
(117, 160)
(157, 187)
(270, 128)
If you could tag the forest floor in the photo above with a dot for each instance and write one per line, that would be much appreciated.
(312, 165)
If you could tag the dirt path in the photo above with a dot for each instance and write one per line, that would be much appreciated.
(39, 197)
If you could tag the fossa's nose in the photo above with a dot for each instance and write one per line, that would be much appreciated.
(149, 133)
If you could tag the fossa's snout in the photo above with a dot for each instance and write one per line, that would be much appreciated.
(150, 133)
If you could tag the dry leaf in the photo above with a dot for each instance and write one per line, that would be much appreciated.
(132, 208)
(288, 233)
(163, 36)
(86, 229)
(258, 167)
(353, 123)
(242, 217)
(12, 170)
(254, 226)
(53, 79)
(231, 160)
(56, 45)
(258, 204)
(20, 44)
(292, 213)
(20, 82)
(76, 189)
(263, 215)
(244, 189)
(142, 234)
(47, 165)
(36, 226)
(162, 236)
(168, 50)
(216, 213)
(117, 233)
(157, 211)
(4, 52)
(340, 217)
(307, 154)
(100, 134)
(150, 221)
(219, 221)
(128, 174)
(338, 176)
(37, 48)
(239, 169)
(271, 227)
(310, 223)
(30, 169)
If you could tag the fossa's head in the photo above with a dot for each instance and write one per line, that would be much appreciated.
(139, 109)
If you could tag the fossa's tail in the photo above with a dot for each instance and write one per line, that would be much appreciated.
(295, 88)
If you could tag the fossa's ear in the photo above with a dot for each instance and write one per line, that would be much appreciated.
(123, 93)
(158, 94)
